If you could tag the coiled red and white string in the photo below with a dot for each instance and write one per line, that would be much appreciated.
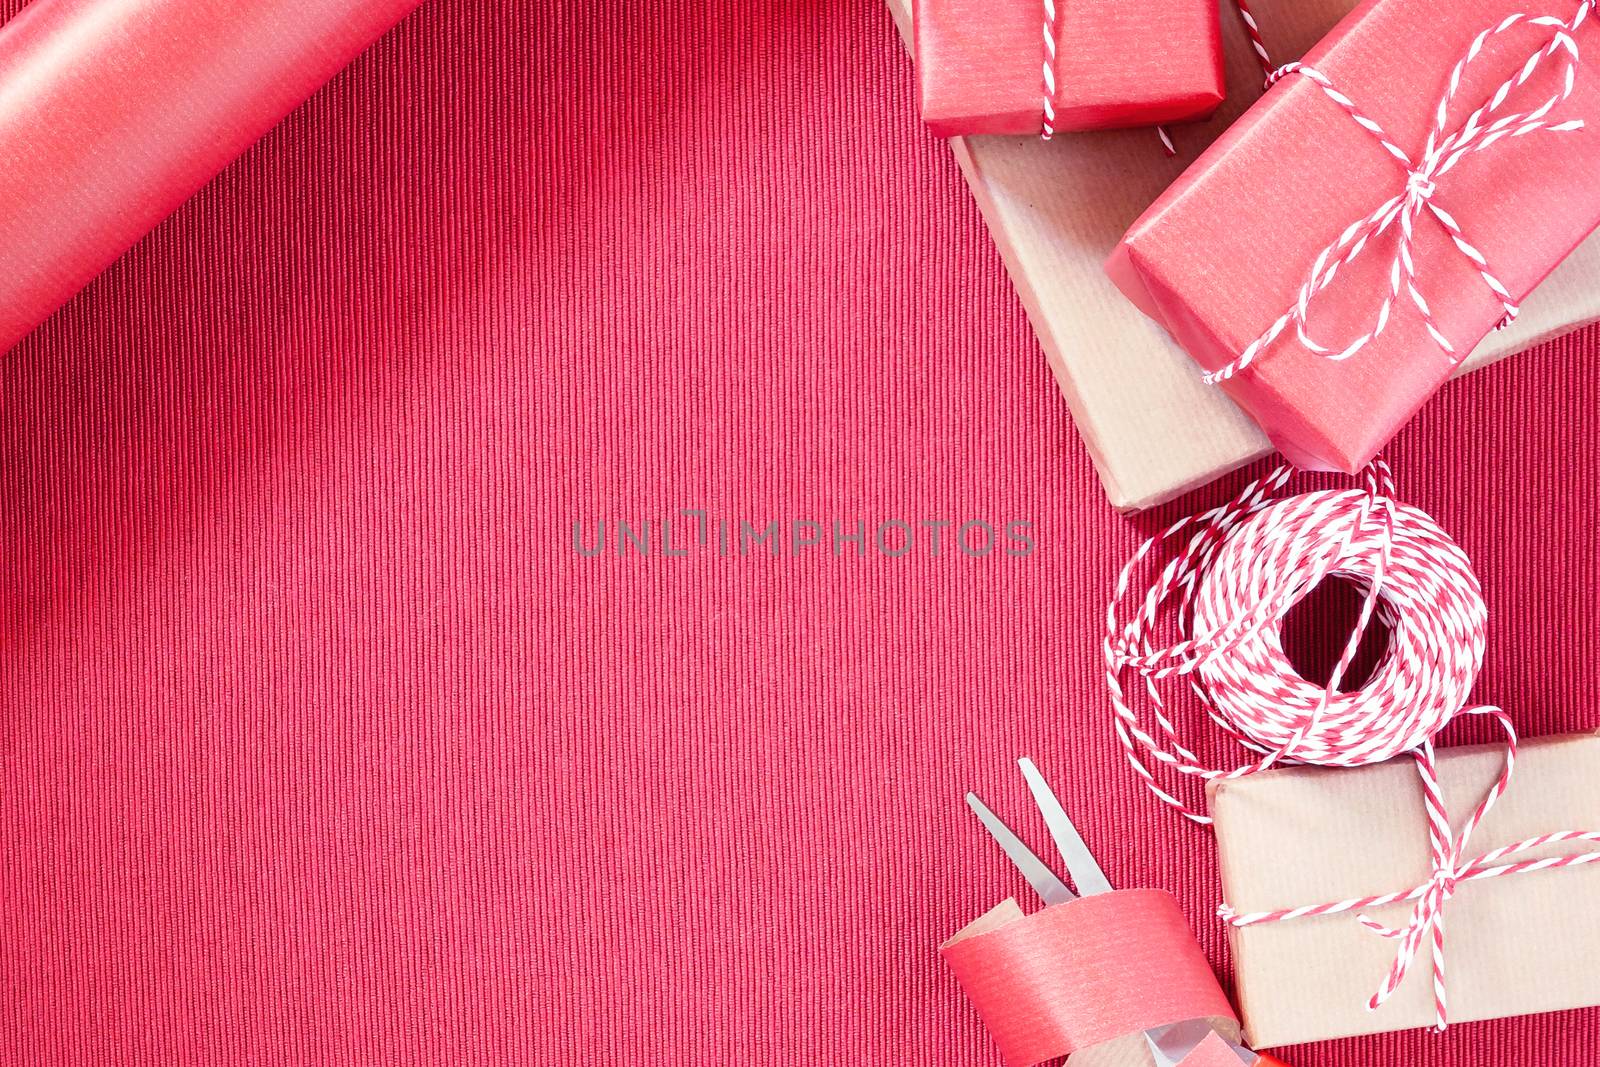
(1225, 595)
(1210, 625)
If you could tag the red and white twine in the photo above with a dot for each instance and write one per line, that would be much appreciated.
(1489, 125)
(1252, 30)
(1048, 128)
(1211, 625)
(1225, 596)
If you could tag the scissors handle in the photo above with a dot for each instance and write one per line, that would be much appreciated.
(1264, 1060)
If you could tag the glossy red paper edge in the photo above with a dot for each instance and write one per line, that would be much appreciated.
(1224, 251)
(114, 112)
(1079, 974)
(979, 64)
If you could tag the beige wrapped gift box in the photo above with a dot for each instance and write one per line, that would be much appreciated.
(1515, 945)
(1057, 210)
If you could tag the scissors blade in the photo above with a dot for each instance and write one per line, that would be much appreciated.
(1051, 889)
(1081, 864)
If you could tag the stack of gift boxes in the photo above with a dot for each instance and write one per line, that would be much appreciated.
(1407, 197)
(1059, 210)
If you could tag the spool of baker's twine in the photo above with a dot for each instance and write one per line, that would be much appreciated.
(1209, 630)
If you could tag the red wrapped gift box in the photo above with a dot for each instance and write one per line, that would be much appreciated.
(980, 63)
(1224, 256)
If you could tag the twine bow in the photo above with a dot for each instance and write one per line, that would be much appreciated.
(1486, 127)
(1428, 900)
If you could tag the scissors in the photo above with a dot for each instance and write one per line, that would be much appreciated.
(1169, 1044)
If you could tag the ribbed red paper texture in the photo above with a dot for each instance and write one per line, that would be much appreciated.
(321, 746)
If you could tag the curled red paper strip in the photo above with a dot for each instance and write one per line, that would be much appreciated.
(1082, 973)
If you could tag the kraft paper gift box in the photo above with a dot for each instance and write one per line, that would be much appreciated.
(1057, 209)
(1515, 945)
(980, 64)
(1226, 251)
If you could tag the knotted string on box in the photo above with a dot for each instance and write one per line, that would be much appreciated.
(1047, 127)
(1489, 125)
(1225, 594)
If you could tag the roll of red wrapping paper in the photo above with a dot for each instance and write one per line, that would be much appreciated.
(113, 112)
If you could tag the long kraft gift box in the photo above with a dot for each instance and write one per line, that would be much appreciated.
(1223, 257)
(1515, 945)
(1057, 210)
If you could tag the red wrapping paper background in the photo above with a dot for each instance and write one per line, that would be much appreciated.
(979, 64)
(1224, 252)
(320, 748)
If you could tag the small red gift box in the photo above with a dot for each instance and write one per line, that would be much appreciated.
(981, 63)
(1360, 229)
